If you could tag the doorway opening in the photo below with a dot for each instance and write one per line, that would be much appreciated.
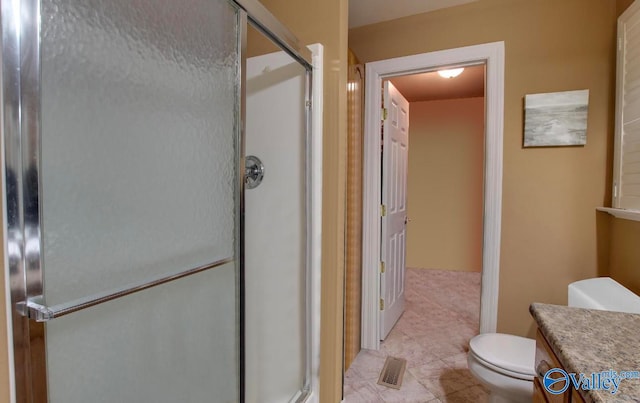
(492, 56)
(439, 196)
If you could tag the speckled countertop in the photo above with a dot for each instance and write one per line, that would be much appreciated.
(587, 341)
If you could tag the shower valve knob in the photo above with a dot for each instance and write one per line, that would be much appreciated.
(254, 172)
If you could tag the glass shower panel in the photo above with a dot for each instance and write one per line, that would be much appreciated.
(172, 343)
(139, 157)
(138, 145)
(276, 294)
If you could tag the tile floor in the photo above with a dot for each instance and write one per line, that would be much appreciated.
(441, 315)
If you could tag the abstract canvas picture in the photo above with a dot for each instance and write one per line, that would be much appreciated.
(556, 119)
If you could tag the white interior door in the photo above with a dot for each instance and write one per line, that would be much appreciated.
(394, 200)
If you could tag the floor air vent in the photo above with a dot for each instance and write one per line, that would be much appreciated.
(392, 372)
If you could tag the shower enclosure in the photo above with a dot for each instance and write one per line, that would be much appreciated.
(149, 258)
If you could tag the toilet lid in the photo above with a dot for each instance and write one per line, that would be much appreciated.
(508, 352)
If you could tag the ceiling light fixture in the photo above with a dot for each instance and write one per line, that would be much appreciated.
(450, 73)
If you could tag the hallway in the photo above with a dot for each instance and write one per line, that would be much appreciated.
(441, 316)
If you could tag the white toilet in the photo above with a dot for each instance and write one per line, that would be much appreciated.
(505, 363)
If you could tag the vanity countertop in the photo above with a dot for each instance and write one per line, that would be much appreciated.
(591, 341)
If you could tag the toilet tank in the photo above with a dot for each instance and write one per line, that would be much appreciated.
(603, 293)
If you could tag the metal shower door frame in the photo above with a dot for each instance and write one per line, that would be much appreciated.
(262, 19)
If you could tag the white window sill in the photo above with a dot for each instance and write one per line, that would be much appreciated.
(633, 215)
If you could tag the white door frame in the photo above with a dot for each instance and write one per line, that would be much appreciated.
(492, 54)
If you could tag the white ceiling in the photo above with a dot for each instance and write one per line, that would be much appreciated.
(365, 12)
(430, 86)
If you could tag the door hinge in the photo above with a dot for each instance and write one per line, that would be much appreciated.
(384, 113)
(381, 304)
(382, 267)
(307, 104)
(383, 210)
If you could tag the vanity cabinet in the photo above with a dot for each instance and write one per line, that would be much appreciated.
(584, 340)
(546, 360)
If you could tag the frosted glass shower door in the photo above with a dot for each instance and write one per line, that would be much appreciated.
(137, 156)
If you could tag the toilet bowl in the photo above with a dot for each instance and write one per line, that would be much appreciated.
(505, 363)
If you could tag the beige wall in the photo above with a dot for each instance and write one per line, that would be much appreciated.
(549, 235)
(445, 184)
(325, 21)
